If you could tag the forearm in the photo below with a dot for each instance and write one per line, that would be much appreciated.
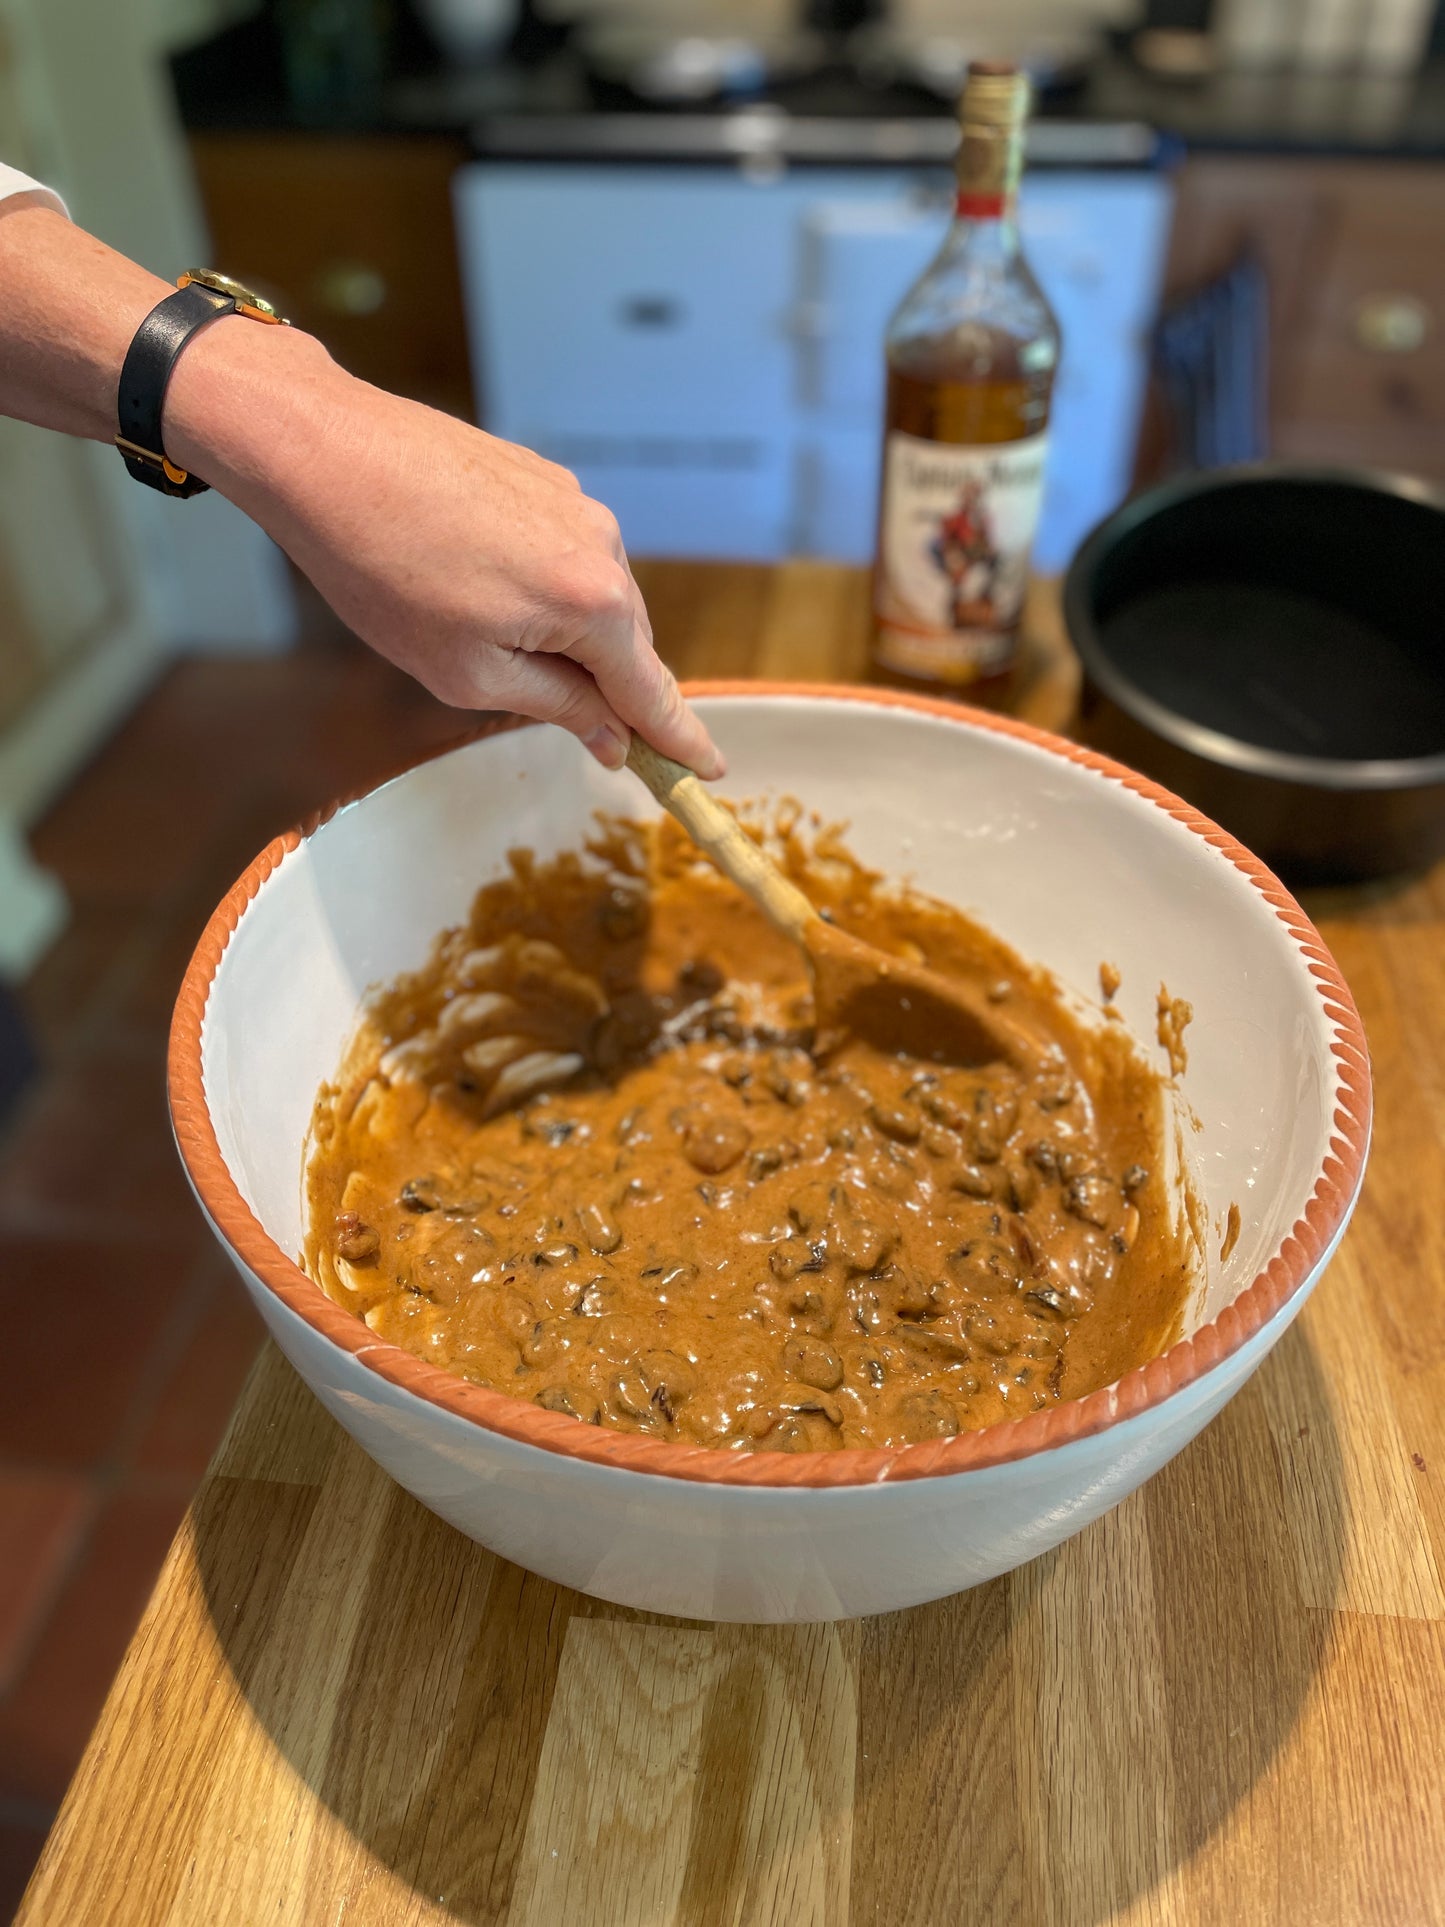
(62, 374)
(241, 396)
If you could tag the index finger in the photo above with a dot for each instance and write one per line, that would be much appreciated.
(643, 691)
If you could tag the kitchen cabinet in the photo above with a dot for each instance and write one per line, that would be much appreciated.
(351, 236)
(706, 350)
(703, 344)
(1356, 277)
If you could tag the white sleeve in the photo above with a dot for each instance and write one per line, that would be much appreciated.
(12, 181)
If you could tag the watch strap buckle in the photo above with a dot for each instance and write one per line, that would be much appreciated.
(179, 478)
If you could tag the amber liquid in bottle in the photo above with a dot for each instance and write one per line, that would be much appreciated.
(971, 359)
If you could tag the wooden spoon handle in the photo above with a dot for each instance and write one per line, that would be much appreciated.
(718, 831)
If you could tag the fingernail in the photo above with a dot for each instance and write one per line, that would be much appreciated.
(607, 746)
(715, 766)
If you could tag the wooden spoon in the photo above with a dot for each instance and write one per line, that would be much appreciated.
(857, 989)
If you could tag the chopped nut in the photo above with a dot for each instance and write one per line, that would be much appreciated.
(356, 1242)
(812, 1361)
(598, 1229)
(893, 1121)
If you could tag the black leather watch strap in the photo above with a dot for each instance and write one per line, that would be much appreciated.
(144, 375)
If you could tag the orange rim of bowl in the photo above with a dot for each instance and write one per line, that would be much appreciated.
(1139, 1390)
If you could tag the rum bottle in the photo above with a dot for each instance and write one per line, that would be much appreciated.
(971, 359)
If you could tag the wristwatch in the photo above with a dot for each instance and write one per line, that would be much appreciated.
(202, 297)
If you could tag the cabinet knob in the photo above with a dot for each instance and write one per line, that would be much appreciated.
(1391, 324)
(349, 288)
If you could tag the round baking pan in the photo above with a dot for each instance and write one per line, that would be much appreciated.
(1269, 641)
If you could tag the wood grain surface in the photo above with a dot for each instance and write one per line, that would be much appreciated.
(1223, 1702)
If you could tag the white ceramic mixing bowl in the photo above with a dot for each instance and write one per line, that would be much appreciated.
(1071, 859)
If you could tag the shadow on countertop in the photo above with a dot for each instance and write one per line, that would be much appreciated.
(1053, 1744)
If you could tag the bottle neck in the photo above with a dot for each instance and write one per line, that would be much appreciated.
(985, 226)
(990, 161)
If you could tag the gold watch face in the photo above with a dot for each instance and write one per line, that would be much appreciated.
(224, 284)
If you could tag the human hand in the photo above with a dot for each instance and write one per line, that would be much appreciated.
(473, 564)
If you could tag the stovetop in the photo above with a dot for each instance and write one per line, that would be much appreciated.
(541, 99)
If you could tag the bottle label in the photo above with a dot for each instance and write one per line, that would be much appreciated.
(956, 529)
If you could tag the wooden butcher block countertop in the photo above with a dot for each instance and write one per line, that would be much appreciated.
(1225, 1701)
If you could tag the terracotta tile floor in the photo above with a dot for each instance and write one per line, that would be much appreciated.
(126, 1336)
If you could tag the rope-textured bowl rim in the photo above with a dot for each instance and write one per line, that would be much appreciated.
(1139, 1390)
